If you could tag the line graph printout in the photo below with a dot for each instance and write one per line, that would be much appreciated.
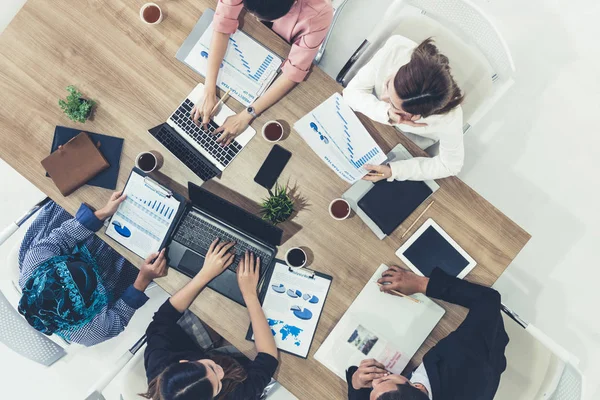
(142, 221)
(336, 134)
(247, 68)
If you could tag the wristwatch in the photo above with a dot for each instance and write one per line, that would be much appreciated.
(251, 111)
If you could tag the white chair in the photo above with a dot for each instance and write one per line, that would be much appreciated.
(480, 59)
(19, 336)
(537, 367)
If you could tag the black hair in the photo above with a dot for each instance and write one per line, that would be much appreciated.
(404, 392)
(269, 10)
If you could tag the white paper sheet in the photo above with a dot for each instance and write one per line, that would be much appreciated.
(143, 219)
(390, 328)
(336, 134)
(293, 305)
(247, 68)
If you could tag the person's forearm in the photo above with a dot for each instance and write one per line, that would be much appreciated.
(218, 47)
(182, 300)
(265, 343)
(275, 93)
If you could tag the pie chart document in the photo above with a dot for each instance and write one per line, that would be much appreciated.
(293, 300)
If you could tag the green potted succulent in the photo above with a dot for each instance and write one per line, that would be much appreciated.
(279, 206)
(75, 106)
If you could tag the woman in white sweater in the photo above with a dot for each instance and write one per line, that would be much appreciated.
(410, 86)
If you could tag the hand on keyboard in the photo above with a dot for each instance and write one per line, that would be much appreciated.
(248, 274)
(233, 127)
(204, 107)
(218, 258)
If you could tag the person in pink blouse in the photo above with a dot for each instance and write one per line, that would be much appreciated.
(303, 23)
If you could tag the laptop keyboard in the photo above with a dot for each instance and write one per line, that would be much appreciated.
(205, 138)
(185, 153)
(197, 234)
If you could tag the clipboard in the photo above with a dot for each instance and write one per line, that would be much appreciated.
(118, 218)
(298, 275)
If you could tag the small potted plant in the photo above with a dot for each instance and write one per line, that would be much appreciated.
(75, 106)
(278, 207)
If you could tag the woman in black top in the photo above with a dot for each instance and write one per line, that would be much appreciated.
(177, 369)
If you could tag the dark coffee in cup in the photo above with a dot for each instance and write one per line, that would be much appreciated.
(272, 131)
(339, 209)
(151, 14)
(296, 257)
(147, 162)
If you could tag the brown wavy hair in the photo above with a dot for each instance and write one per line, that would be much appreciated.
(183, 381)
(425, 84)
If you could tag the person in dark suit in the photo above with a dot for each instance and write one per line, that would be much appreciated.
(465, 365)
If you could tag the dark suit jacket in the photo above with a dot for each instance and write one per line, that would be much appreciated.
(467, 364)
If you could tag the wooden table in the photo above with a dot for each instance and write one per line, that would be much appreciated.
(102, 47)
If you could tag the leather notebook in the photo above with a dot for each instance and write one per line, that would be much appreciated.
(74, 163)
(111, 148)
(388, 204)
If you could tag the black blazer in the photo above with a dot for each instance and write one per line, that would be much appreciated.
(467, 364)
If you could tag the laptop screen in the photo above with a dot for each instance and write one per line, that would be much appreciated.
(234, 215)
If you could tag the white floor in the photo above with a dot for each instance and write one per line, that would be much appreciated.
(535, 157)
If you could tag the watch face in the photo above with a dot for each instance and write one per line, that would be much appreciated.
(250, 109)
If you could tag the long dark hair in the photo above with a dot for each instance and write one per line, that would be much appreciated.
(189, 381)
(425, 84)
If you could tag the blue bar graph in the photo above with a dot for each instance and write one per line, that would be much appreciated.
(256, 74)
(160, 208)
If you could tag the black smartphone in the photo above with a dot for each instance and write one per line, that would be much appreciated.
(271, 169)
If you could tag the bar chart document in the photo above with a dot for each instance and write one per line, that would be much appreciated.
(336, 134)
(142, 221)
(248, 68)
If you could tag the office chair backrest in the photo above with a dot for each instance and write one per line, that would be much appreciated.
(20, 337)
(534, 370)
(468, 20)
(470, 69)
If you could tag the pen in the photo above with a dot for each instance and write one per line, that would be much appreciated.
(416, 220)
(397, 293)
(375, 174)
(220, 101)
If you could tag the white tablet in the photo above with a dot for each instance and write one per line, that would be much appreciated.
(430, 247)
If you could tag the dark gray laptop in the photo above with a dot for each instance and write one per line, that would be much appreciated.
(208, 217)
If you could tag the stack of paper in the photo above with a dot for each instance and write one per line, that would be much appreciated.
(377, 325)
(248, 68)
(336, 134)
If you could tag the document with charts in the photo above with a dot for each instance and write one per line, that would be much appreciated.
(336, 134)
(377, 325)
(143, 220)
(292, 301)
(248, 68)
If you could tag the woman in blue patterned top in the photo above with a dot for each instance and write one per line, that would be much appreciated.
(73, 283)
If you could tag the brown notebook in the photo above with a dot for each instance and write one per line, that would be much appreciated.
(74, 163)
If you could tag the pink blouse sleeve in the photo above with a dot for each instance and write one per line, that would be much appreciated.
(226, 16)
(306, 46)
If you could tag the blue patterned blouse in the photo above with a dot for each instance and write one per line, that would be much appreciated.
(55, 232)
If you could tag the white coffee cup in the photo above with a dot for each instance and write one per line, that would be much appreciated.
(149, 161)
(338, 218)
(272, 139)
(292, 265)
(143, 17)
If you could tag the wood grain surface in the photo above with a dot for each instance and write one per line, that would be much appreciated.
(103, 48)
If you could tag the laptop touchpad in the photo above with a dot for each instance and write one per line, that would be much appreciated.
(191, 263)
